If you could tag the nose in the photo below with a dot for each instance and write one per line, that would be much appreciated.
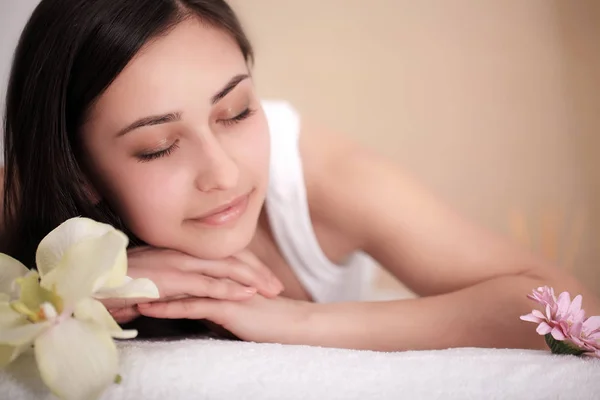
(218, 170)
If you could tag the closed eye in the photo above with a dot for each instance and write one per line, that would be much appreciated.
(238, 118)
(146, 157)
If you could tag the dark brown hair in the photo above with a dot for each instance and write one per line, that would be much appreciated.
(69, 53)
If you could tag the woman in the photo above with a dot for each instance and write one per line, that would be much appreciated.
(142, 114)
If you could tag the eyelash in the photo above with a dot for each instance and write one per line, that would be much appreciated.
(159, 154)
(166, 152)
(238, 118)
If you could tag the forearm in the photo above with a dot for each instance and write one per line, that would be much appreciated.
(484, 315)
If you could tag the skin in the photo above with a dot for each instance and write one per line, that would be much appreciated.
(473, 284)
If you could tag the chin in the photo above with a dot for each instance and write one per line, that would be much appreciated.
(220, 243)
(211, 250)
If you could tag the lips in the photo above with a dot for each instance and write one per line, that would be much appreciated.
(226, 213)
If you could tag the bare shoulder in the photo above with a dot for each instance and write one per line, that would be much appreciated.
(322, 152)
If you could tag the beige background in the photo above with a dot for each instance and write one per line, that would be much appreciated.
(495, 104)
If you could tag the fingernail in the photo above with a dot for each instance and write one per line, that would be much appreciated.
(250, 290)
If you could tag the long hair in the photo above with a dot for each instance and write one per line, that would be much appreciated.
(69, 53)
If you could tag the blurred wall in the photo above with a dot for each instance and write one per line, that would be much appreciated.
(494, 104)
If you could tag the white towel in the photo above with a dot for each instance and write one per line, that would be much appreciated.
(197, 369)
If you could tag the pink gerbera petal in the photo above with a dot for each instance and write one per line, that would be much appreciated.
(563, 302)
(543, 328)
(549, 313)
(575, 306)
(557, 333)
(543, 295)
(592, 325)
(593, 354)
(576, 328)
(578, 316)
(531, 318)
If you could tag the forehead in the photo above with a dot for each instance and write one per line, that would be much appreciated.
(190, 63)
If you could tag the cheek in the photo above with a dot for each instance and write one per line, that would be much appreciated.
(149, 199)
(253, 153)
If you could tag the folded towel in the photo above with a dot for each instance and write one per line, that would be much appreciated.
(213, 369)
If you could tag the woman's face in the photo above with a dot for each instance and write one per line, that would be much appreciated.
(179, 144)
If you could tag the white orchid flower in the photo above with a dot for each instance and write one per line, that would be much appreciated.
(56, 310)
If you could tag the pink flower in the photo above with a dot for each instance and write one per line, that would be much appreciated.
(543, 295)
(586, 336)
(565, 320)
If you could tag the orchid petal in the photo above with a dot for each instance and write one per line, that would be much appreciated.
(133, 288)
(9, 318)
(22, 334)
(118, 273)
(32, 295)
(10, 270)
(53, 247)
(93, 311)
(85, 266)
(76, 360)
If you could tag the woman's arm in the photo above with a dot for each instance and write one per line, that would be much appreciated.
(475, 282)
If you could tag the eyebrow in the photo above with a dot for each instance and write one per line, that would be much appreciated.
(174, 117)
(149, 121)
(233, 82)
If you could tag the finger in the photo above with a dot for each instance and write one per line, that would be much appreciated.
(249, 275)
(125, 315)
(182, 283)
(119, 303)
(235, 270)
(210, 309)
(250, 272)
(232, 269)
(275, 285)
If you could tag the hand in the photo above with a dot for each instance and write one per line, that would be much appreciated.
(179, 275)
(258, 319)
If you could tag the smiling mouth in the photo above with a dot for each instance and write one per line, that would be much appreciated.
(225, 214)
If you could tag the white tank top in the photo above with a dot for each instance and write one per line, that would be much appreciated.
(289, 218)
